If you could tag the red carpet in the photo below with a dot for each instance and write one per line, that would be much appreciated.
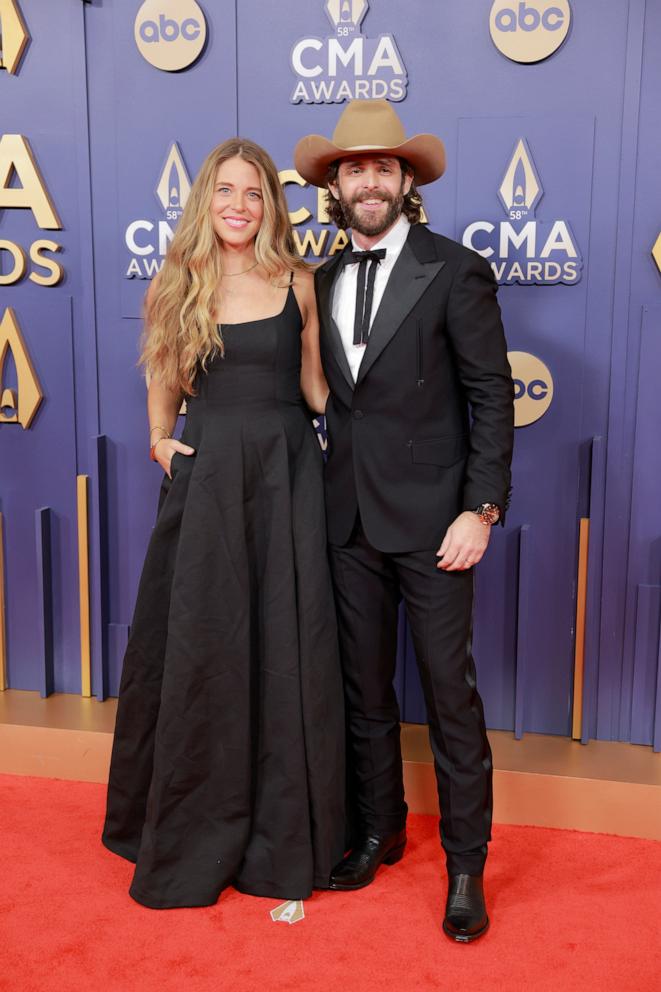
(570, 911)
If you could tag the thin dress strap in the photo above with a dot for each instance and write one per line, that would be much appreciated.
(291, 278)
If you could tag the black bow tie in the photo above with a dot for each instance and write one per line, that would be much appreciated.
(361, 323)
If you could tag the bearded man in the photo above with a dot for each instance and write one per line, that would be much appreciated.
(420, 431)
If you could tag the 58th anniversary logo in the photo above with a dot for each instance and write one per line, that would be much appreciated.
(523, 249)
(347, 65)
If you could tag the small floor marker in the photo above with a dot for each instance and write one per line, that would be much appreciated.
(288, 912)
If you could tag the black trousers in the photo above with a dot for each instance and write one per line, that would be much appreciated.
(368, 587)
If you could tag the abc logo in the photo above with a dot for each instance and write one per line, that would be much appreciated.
(170, 34)
(529, 30)
(533, 387)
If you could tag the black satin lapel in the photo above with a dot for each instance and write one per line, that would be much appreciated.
(408, 281)
(326, 282)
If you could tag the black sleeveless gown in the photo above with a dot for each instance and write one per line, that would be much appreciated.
(228, 758)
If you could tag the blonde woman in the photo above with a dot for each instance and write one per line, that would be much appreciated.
(228, 761)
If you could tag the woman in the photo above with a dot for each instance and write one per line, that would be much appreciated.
(227, 764)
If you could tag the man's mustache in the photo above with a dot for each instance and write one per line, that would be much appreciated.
(360, 197)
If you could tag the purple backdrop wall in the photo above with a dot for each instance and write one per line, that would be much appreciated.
(102, 123)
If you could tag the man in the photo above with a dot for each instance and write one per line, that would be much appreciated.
(420, 429)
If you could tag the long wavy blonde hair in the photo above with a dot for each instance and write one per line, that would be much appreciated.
(181, 333)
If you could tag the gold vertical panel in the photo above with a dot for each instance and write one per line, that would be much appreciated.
(579, 650)
(84, 587)
(3, 637)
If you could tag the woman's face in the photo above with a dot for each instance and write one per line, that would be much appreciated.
(237, 205)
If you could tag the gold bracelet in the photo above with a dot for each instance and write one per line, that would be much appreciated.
(152, 450)
(167, 433)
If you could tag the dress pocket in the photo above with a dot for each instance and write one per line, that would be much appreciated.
(179, 462)
(443, 451)
(174, 468)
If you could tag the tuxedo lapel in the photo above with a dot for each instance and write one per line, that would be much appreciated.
(414, 270)
(326, 278)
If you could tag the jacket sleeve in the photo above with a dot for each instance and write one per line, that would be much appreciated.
(477, 339)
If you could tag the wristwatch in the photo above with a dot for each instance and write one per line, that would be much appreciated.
(489, 513)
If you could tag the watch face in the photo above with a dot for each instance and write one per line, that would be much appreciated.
(489, 512)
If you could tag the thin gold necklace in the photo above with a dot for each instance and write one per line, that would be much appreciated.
(229, 275)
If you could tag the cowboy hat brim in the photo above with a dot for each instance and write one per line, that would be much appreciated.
(425, 153)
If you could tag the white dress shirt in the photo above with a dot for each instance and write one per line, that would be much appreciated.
(344, 295)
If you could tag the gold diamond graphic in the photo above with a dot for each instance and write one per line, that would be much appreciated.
(656, 252)
(520, 188)
(14, 36)
(173, 187)
(346, 12)
(25, 401)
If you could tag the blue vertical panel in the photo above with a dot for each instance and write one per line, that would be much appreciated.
(656, 741)
(37, 468)
(495, 631)
(631, 553)
(98, 563)
(644, 539)
(645, 663)
(574, 321)
(547, 321)
(136, 113)
(615, 665)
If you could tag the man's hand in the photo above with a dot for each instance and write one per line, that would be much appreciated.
(465, 542)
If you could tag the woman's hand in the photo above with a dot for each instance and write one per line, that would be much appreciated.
(164, 450)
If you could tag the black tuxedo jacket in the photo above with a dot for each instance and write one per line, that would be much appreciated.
(427, 429)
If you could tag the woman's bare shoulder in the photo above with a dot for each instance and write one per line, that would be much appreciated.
(304, 280)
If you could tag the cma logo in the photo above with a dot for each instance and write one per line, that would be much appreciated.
(172, 192)
(533, 387)
(170, 34)
(19, 401)
(22, 187)
(529, 31)
(348, 66)
(535, 251)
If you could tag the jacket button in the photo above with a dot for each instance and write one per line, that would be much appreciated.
(357, 414)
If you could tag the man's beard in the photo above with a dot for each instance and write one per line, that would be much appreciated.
(371, 224)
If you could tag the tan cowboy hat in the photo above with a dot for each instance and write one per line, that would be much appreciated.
(369, 126)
